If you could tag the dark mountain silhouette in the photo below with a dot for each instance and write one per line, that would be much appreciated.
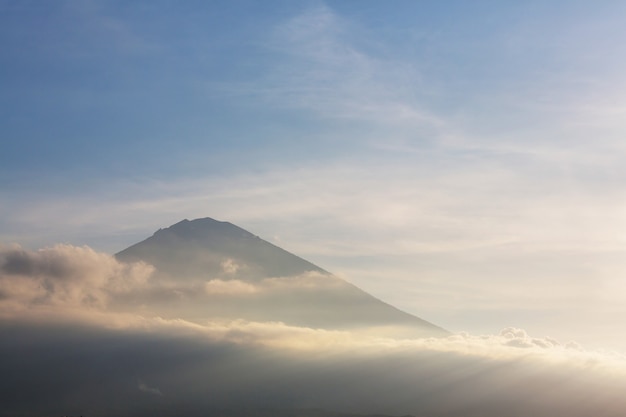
(259, 282)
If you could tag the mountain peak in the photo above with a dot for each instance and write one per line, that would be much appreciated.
(204, 228)
(272, 284)
(193, 248)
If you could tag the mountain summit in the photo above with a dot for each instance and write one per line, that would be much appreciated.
(208, 269)
(191, 249)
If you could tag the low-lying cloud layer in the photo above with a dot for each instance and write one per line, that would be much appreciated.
(71, 344)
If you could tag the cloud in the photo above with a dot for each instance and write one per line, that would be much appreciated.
(229, 287)
(66, 275)
(149, 390)
(321, 68)
(251, 365)
(230, 267)
(519, 338)
(68, 279)
(308, 281)
(87, 354)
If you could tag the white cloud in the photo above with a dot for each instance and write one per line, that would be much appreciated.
(66, 275)
(309, 281)
(230, 267)
(229, 287)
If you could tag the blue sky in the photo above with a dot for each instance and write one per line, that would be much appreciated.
(461, 160)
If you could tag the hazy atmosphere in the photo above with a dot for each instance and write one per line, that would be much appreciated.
(460, 161)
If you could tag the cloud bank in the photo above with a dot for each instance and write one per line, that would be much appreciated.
(66, 275)
(68, 347)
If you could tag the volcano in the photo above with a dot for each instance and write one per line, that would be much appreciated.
(230, 273)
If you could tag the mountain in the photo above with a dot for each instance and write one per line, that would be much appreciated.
(191, 249)
(208, 269)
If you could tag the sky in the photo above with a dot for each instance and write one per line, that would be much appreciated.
(459, 160)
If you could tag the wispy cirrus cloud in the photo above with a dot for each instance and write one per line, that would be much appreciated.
(318, 68)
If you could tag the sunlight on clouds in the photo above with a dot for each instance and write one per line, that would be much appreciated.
(510, 343)
(229, 287)
(66, 279)
(67, 275)
(45, 294)
(230, 267)
(310, 280)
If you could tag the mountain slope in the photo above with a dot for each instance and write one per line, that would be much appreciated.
(229, 273)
